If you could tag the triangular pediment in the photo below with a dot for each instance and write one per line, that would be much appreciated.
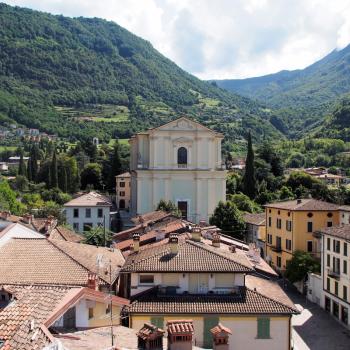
(183, 124)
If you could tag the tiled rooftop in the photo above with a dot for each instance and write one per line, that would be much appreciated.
(21, 322)
(65, 234)
(342, 231)
(159, 258)
(254, 219)
(308, 204)
(55, 262)
(245, 301)
(152, 216)
(180, 326)
(90, 199)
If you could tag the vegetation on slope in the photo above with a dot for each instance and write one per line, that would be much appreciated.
(84, 77)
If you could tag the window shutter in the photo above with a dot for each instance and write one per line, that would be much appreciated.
(158, 321)
(263, 328)
(209, 323)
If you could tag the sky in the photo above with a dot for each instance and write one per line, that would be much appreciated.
(223, 39)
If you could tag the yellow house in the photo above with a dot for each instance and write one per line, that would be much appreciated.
(203, 282)
(123, 190)
(290, 226)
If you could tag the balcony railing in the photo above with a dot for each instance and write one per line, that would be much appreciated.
(335, 273)
(276, 248)
(182, 166)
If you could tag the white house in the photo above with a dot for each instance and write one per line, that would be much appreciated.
(179, 161)
(344, 215)
(10, 230)
(89, 210)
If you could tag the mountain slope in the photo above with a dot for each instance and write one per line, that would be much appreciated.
(304, 96)
(89, 77)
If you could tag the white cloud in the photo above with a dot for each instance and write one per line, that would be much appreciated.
(224, 38)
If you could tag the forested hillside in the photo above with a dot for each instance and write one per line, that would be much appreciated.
(301, 98)
(89, 77)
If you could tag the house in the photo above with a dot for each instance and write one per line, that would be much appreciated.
(181, 162)
(88, 211)
(123, 191)
(34, 314)
(344, 214)
(290, 226)
(16, 230)
(191, 280)
(256, 230)
(58, 262)
(335, 271)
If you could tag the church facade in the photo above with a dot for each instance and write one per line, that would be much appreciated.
(179, 161)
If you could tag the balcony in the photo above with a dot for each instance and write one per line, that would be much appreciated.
(276, 248)
(182, 166)
(333, 273)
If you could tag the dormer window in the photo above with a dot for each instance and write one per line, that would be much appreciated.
(182, 157)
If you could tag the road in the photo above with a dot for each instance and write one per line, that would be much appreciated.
(314, 328)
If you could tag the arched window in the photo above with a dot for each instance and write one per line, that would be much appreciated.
(182, 156)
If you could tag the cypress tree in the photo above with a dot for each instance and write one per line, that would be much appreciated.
(249, 180)
(34, 155)
(116, 166)
(22, 167)
(53, 170)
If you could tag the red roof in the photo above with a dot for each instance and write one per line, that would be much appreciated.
(180, 326)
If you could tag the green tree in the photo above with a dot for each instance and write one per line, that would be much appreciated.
(8, 200)
(300, 264)
(169, 207)
(98, 236)
(244, 203)
(249, 180)
(116, 166)
(227, 217)
(91, 176)
(53, 170)
(22, 166)
(21, 183)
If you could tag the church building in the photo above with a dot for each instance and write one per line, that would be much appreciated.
(179, 161)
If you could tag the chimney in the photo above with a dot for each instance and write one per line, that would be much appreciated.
(150, 337)
(299, 201)
(202, 223)
(216, 240)
(180, 334)
(233, 248)
(220, 337)
(136, 242)
(174, 243)
(196, 234)
(48, 223)
(28, 218)
(5, 215)
(92, 281)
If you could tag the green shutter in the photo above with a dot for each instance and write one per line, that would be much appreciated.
(158, 321)
(263, 328)
(209, 323)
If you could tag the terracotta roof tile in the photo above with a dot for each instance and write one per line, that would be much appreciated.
(159, 258)
(90, 199)
(63, 233)
(180, 327)
(245, 301)
(342, 231)
(152, 216)
(254, 219)
(21, 322)
(38, 261)
(308, 204)
(149, 330)
(88, 255)
(220, 329)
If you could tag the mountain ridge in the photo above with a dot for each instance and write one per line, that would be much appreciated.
(80, 77)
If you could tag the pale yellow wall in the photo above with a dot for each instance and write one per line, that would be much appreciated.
(101, 319)
(244, 330)
(299, 234)
(126, 190)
